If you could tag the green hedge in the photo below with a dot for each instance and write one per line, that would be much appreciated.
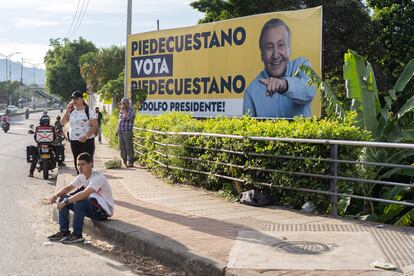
(109, 126)
(245, 126)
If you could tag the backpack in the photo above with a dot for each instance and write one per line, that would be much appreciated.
(255, 198)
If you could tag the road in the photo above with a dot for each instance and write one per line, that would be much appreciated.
(26, 222)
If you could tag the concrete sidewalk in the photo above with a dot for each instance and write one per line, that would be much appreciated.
(205, 235)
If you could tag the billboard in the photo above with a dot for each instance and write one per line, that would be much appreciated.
(207, 69)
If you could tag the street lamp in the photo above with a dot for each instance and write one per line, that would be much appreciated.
(34, 71)
(34, 68)
(7, 57)
(24, 60)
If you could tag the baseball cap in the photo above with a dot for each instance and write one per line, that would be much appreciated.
(124, 100)
(76, 94)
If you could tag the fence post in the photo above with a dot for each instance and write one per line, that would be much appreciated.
(334, 173)
(166, 152)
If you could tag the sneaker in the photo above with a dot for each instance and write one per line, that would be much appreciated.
(130, 164)
(30, 174)
(59, 235)
(72, 238)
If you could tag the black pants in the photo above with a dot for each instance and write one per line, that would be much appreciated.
(78, 148)
(33, 166)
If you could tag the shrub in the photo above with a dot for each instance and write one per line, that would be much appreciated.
(198, 153)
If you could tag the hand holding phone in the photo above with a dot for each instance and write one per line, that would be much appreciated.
(70, 106)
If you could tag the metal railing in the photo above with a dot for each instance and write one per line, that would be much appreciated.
(333, 159)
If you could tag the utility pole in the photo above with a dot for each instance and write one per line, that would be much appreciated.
(128, 32)
(5, 76)
(21, 73)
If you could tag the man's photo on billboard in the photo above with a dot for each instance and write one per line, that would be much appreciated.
(280, 89)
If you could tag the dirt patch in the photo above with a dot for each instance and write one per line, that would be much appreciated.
(140, 265)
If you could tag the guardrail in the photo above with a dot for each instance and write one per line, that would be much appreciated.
(163, 150)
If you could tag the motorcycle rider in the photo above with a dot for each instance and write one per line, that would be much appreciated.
(26, 113)
(5, 119)
(44, 121)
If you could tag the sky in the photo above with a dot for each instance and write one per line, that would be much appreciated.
(27, 26)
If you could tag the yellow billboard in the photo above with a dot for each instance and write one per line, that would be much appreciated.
(246, 65)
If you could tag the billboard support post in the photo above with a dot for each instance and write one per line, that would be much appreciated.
(128, 32)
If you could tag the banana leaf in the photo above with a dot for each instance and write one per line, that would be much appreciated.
(333, 102)
(406, 108)
(407, 219)
(405, 76)
(362, 89)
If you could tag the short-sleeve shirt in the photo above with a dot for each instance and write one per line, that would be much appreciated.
(103, 192)
(126, 123)
(79, 123)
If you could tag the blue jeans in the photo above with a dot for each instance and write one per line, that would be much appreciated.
(81, 209)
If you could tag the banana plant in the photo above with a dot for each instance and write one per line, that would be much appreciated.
(385, 126)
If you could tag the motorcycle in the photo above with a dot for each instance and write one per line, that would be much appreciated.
(5, 126)
(26, 114)
(46, 154)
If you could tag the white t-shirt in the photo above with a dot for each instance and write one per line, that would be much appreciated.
(100, 185)
(79, 123)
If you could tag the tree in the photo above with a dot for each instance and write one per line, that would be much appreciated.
(9, 91)
(394, 41)
(88, 70)
(113, 89)
(111, 63)
(62, 66)
(98, 68)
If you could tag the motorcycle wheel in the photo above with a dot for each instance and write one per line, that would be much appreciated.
(45, 169)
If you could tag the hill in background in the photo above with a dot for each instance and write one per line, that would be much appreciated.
(16, 73)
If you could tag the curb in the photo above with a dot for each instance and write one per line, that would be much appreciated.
(144, 242)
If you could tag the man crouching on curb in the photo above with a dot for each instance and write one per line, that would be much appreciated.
(95, 201)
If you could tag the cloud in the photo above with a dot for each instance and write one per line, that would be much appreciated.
(34, 23)
(104, 22)
(33, 51)
(58, 7)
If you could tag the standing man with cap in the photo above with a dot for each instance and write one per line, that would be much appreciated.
(99, 132)
(82, 126)
(125, 132)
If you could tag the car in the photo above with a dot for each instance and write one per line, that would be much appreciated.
(12, 108)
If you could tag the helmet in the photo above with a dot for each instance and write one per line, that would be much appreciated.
(44, 120)
(57, 117)
(44, 112)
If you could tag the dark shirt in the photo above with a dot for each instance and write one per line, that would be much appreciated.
(99, 114)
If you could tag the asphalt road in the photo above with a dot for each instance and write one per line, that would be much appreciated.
(25, 222)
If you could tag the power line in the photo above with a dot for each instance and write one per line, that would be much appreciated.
(78, 18)
(81, 18)
(73, 19)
